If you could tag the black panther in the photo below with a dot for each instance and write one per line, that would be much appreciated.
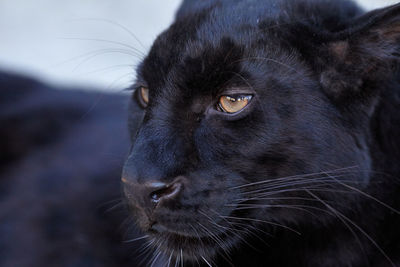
(266, 133)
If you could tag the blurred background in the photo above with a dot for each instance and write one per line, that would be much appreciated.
(86, 43)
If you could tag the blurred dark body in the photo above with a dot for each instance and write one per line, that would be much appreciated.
(60, 161)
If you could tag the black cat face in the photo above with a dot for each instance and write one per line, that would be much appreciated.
(234, 128)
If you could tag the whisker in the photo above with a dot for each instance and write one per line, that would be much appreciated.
(212, 221)
(94, 55)
(322, 180)
(212, 235)
(295, 207)
(181, 258)
(155, 258)
(145, 250)
(197, 235)
(110, 202)
(176, 261)
(267, 222)
(218, 241)
(365, 195)
(273, 198)
(293, 176)
(115, 24)
(136, 239)
(99, 52)
(356, 226)
(114, 67)
(208, 264)
(314, 188)
(228, 230)
(134, 49)
(117, 80)
(241, 77)
(118, 205)
(334, 214)
(170, 258)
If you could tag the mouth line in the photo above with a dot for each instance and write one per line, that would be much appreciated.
(176, 240)
(158, 229)
(203, 230)
(193, 248)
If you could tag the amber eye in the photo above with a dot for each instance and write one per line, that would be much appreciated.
(143, 95)
(233, 104)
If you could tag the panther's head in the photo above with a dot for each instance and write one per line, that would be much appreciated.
(243, 123)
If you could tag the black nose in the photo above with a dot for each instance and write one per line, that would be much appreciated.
(165, 192)
(150, 193)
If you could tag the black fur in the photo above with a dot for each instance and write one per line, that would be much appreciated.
(319, 139)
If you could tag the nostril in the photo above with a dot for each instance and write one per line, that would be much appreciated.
(167, 192)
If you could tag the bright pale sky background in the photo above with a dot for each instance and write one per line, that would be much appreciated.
(90, 43)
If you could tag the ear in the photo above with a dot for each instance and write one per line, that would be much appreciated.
(356, 62)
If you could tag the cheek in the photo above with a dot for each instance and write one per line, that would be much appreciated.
(213, 192)
(349, 149)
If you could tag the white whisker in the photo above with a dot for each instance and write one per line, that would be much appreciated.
(208, 264)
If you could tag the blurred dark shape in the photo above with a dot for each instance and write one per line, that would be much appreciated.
(61, 153)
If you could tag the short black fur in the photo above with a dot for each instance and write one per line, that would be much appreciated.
(307, 174)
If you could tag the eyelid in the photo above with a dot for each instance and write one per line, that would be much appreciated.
(138, 85)
(236, 91)
(139, 82)
(239, 95)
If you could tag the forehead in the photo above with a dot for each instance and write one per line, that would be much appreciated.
(206, 50)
